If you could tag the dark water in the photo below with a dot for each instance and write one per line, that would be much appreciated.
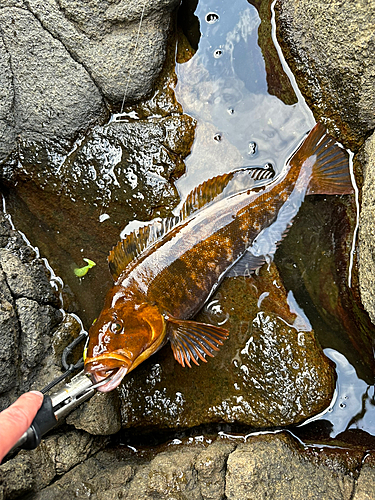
(249, 111)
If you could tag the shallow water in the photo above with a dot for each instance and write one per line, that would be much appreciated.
(239, 122)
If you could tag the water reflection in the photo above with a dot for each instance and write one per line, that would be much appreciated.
(354, 406)
(224, 86)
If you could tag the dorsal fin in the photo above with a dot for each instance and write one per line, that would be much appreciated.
(135, 243)
(204, 194)
(212, 188)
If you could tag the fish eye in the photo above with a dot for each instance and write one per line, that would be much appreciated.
(116, 327)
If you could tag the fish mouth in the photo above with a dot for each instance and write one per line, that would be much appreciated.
(114, 379)
(111, 368)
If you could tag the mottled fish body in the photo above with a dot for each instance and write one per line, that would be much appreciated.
(164, 274)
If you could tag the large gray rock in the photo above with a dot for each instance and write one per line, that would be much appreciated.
(273, 466)
(62, 63)
(7, 131)
(330, 48)
(111, 41)
(53, 95)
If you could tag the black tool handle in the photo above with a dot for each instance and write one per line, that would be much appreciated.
(43, 422)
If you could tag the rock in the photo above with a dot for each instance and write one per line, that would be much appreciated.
(55, 96)
(329, 47)
(110, 173)
(33, 470)
(27, 280)
(274, 466)
(366, 233)
(60, 62)
(122, 164)
(99, 416)
(63, 35)
(9, 332)
(69, 329)
(7, 132)
(173, 473)
(101, 477)
(36, 323)
(253, 467)
(100, 34)
(29, 314)
(364, 489)
(211, 465)
(16, 478)
(268, 373)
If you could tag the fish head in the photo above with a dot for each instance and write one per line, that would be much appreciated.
(126, 333)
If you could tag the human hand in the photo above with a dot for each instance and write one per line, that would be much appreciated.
(16, 419)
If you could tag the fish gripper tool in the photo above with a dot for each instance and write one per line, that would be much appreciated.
(60, 403)
(56, 407)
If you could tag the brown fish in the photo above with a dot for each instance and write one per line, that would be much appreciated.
(164, 274)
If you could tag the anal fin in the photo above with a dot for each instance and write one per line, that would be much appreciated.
(248, 264)
(193, 341)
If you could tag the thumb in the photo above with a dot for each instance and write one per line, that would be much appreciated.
(16, 419)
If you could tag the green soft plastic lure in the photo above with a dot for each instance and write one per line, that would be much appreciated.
(81, 271)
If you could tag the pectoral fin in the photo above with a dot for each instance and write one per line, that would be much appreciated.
(192, 341)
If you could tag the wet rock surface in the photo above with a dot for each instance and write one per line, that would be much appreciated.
(330, 49)
(120, 172)
(318, 269)
(269, 372)
(244, 468)
(29, 312)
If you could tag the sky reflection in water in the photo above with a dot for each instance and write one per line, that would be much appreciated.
(228, 96)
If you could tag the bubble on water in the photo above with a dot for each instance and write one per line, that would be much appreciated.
(218, 53)
(252, 148)
(212, 17)
(268, 166)
(230, 111)
(217, 137)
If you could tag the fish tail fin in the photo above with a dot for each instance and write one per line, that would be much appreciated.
(330, 171)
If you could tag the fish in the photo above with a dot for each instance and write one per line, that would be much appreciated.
(164, 273)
